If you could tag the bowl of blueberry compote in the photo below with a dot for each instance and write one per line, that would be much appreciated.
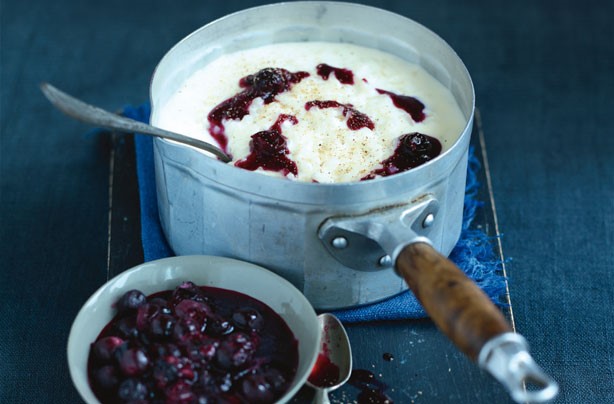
(193, 329)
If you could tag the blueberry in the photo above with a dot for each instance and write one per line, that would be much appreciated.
(105, 378)
(248, 318)
(414, 149)
(206, 381)
(417, 148)
(133, 362)
(162, 304)
(188, 290)
(269, 82)
(160, 350)
(275, 378)
(103, 349)
(126, 327)
(224, 384)
(203, 351)
(184, 368)
(193, 309)
(164, 373)
(161, 327)
(180, 392)
(186, 329)
(130, 301)
(204, 398)
(132, 390)
(219, 326)
(257, 389)
(264, 385)
(145, 314)
(235, 351)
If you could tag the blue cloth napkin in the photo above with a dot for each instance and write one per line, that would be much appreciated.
(474, 252)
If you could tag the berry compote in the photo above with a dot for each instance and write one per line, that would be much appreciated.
(355, 119)
(345, 76)
(268, 149)
(413, 150)
(192, 345)
(266, 84)
(413, 106)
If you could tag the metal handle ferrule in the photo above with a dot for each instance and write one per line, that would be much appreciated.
(506, 357)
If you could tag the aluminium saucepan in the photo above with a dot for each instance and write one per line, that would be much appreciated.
(342, 244)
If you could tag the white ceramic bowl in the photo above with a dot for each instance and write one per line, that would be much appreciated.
(166, 274)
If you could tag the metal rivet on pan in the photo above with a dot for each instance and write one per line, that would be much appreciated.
(339, 242)
(428, 220)
(385, 261)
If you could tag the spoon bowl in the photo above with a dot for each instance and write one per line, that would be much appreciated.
(334, 364)
(97, 116)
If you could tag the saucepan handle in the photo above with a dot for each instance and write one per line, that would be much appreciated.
(473, 323)
(455, 303)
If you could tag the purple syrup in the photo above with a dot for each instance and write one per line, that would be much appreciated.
(266, 84)
(414, 149)
(356, 119)
(345, 76)
(268, 150)
(409, 104)
(324, 373)
(252, 358)
(372, 391)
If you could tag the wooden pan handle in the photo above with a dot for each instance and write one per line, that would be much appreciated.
(455, 303)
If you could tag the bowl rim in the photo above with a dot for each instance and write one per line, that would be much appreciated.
(168, 271)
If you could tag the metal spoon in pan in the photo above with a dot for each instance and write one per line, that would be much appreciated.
(100, 117)
(334, 364)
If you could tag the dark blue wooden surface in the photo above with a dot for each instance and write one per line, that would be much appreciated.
(544, 79)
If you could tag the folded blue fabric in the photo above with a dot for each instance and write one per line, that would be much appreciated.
(474, 252)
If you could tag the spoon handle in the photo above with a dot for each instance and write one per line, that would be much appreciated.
(97, 116)
(321, 396)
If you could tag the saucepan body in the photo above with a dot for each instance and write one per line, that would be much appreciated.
(318, 236)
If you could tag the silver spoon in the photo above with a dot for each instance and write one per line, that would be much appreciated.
(334, 364)
(98, 116)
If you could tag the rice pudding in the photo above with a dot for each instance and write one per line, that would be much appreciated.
(317, 111)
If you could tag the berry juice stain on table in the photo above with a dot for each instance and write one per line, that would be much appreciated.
(372, 390)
